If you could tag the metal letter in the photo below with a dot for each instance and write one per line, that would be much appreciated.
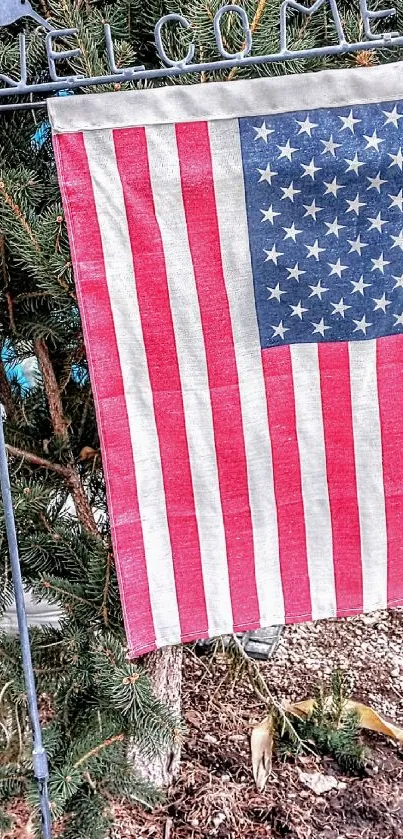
(367, 16)
(310, 10)
(160, 47)
(58, 56)
(245, 26)
(117, 71)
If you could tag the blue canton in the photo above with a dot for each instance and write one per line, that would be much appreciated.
(324, 196)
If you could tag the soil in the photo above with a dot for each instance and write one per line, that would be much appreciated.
(215, 796)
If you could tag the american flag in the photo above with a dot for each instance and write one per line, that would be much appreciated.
(238, 258)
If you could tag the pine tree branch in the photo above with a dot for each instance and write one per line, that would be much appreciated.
(104, 609)
(6, 396)
(83, 509)
(60, 428)
(72, 479)
(118, 738)
(16, 210)
(59, 422)
(36, 460)
(4, 273)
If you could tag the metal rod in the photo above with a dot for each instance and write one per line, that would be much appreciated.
(180, 69)
(39, 755)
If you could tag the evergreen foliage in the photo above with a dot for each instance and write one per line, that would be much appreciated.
(331, 729)
(98, 701)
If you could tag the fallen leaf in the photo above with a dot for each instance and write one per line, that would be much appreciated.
(262, 751)
(319, 783)
(367, 717)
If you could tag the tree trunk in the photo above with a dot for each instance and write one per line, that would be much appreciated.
(165, 670)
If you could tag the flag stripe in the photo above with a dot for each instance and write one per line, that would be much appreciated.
(108, 385)
(311, 445)
(341, 475)
(159, 341)
(143, 433)
(390, 389)
(233, 229)
(287, 483)
(165, 180)
(368, 461)
(201, 218)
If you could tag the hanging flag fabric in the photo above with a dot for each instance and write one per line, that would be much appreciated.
(238, 254)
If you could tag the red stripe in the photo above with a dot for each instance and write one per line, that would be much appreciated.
(334, 369)
(390, 392)
(159, 341)
(202, 226)
(107, 384)
(280, 398)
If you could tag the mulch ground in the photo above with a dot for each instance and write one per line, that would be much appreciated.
(215, 796)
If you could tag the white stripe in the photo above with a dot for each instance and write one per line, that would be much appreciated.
(315, 496)
(235, 254)
(248, 98)
(368, 461)
(166, 187)
(125, 309)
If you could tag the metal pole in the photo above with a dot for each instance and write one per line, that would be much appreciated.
(39, 755)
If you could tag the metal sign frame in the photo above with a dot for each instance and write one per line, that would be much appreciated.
(13, 10)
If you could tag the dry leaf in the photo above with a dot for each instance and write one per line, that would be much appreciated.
(262, 751)
(87, 453)
(318, 783)
(367, 717)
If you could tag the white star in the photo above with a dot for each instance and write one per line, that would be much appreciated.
(269, 215)
(306, 126)
(397, 200)
(312, 210)
(349, 122)
(381, 303)
(377, 223)
(359, 285)
(399, 282)
(361, 325)
(294, 273)
(276, 292)
(330, 147)
(317, 290)
(291, 232)
(334, 227)
(399, 320)
(298, 310)
(273, 255)
(392, 117)
(310, 169)
(354, 164)
(354, 206)
(267, 174)
(337, 268)
(320, 328)
(398, 241)
(289, 192)
(379, 264)
(314, 250)
(262, 133)
(373, 141)
(333, 187)
(286, 151)
(376, 183)
(279, 331)
(356, 245)
(397, 160)
(340, 308)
